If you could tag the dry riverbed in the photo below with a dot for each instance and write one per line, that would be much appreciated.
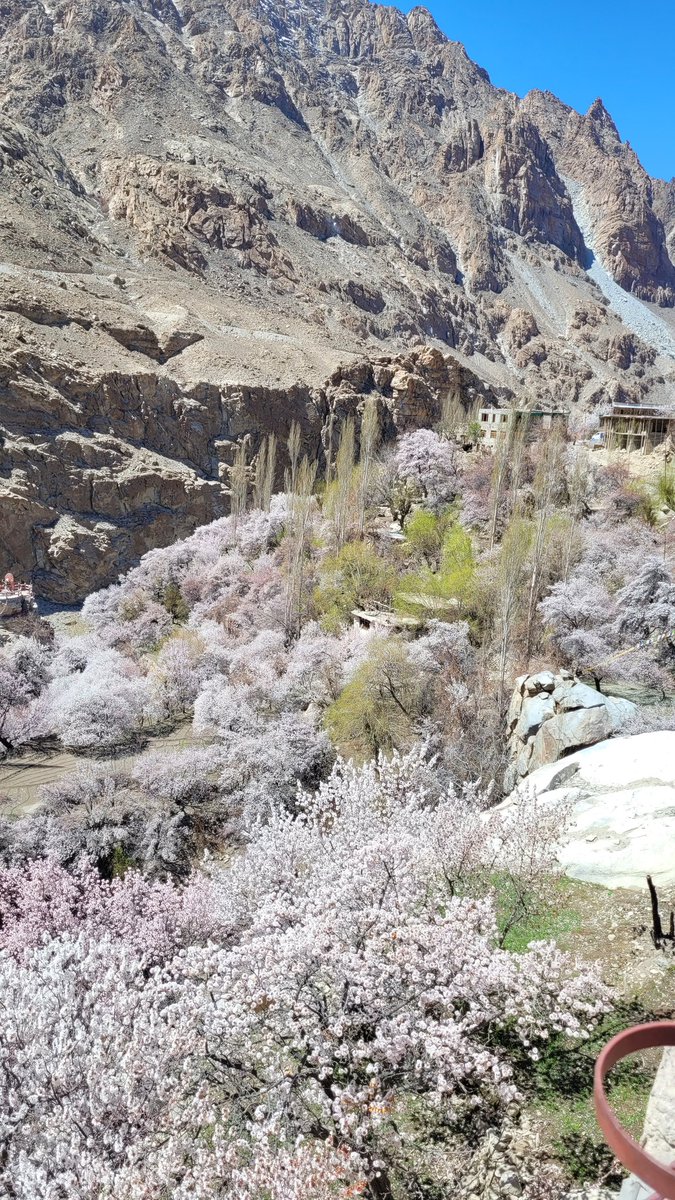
(22, 777)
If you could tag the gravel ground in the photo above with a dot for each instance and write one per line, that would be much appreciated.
(21, 778)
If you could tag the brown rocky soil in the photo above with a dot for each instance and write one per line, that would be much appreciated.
(218, 218)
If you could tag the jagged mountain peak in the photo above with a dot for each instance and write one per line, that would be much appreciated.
(356, 79)
(599, 115)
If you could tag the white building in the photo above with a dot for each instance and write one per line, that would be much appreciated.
(496, 423)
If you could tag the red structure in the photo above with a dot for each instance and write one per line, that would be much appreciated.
(15, 598)
(641, 1037)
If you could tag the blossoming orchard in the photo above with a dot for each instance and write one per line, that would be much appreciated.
(265, 931)
(297, 999)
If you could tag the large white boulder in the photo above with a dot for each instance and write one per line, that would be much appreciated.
(623, 796)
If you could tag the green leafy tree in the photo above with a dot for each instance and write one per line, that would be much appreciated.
(355, 577)
(665, 488)
(447, 591)
(174, 603)
(382, 708)
(424, 535)
(475, 432)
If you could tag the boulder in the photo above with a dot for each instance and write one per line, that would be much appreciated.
(618, 710)
(544, 681)
(551, 715)
(659, 1131)
(510, 779)
(570, 731)
(569, 696)
(535, 710)
(622, 793)
(658, 1135)
(523, 761)
(514, 709)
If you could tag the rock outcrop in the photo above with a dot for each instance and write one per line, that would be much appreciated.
(210, 211)
(622, 798)
(550, 716)
(658, 1136)
(97, 465)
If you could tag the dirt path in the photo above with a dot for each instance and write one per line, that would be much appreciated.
(21, 778)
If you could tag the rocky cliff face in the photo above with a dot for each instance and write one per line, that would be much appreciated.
(217, 218)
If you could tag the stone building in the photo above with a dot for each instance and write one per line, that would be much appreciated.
(15, 598)
(386, 621)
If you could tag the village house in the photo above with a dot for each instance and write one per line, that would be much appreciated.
(386, 621)
(497, 423)
(15, 598)
(633, 427)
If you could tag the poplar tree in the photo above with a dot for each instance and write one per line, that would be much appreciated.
(297, 541)
(342, 496)
(239, 479)
(546, 482)
(293, 445)
(265, 468)
(369, 438)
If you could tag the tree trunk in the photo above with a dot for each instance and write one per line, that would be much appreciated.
(657, 928)
(379, 1187)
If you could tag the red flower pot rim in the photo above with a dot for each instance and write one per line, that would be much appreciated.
(640, 1037)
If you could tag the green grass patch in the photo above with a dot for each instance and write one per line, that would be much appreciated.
(551, 925)
(561, 1088)
(550, 918)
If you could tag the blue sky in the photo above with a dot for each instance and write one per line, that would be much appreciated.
(580, 49)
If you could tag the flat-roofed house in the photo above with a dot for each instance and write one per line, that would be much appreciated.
(497, 423)
(15, 598)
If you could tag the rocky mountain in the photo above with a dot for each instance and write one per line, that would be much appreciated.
(217, 216)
